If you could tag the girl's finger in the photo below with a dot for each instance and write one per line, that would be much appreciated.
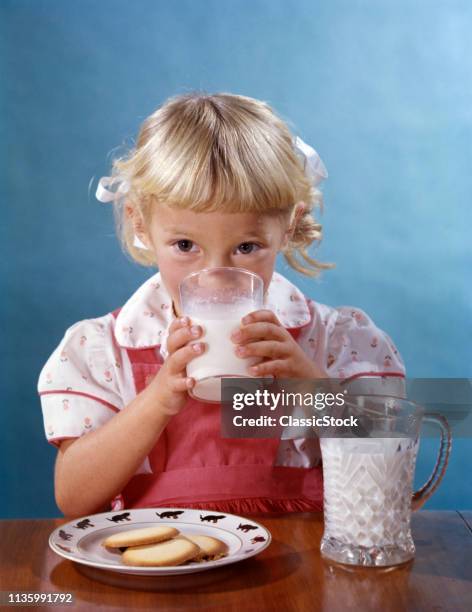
(182, 384)
(261, 315)
(267, 368)
(182, 335)
(259, 331)
(179, 322)
(270, 348)
(178, 361)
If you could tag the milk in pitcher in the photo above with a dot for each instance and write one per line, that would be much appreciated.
(368, 491)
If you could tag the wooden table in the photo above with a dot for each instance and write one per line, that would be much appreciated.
(288, 576)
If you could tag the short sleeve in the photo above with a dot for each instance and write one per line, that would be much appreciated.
(78, 385)
(357, 348)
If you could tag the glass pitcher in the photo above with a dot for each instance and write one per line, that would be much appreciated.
(368, 480)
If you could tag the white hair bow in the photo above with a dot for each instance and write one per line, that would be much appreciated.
(105, 194)
(313, 166)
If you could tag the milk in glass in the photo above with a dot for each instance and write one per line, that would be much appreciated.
(218, 321)
(217, 299)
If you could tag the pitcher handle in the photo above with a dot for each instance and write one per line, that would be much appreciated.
(423, 494)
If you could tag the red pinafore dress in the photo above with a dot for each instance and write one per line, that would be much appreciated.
(194, 467)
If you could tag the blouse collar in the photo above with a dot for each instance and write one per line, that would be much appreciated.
(145, 318)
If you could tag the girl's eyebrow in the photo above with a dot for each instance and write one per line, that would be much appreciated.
(174, 229)
(250, 233)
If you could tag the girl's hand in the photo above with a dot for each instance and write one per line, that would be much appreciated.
(171, 382)
(261, 334)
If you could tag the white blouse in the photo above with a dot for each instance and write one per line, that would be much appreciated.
(88, 377)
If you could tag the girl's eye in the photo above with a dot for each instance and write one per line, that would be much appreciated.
(248, 247)
(184, 246)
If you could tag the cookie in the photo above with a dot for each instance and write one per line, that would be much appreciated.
(211, 548)
(138, 537)
(171, 552)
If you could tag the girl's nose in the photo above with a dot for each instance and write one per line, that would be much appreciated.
(217, 279)
(219, 262)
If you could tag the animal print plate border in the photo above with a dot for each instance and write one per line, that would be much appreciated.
(80, 540)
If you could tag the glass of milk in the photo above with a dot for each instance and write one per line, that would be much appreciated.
(368, 481)
(217, 299)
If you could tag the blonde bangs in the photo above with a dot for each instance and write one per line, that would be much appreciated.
(209, 154)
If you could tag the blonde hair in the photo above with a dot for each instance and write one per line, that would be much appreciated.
(220, 152)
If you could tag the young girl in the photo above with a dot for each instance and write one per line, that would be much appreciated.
(214, 180)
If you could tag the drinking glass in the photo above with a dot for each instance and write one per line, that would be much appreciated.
(217, 299)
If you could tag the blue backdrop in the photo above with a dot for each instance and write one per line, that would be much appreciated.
(383, 90)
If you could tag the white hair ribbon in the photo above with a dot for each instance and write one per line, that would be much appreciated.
(106, 195)
(313, 165)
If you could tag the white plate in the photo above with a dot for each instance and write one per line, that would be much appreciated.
(80, 539)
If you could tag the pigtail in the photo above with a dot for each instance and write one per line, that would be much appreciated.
(305, 233)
